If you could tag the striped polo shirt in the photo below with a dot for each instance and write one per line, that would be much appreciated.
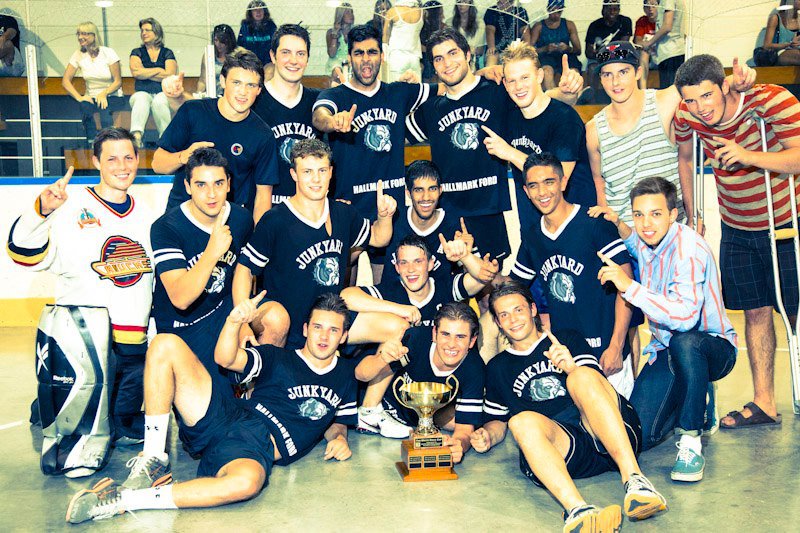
(741, 189)
(679, 287)
(643, 152)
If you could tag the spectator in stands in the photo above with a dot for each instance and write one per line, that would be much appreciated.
(401, 31)
(256, 32)
(99, 66)
(11, 62)
(149, 64)
(553, 37)
(336, 38)
(642, 34)
(433, 20)
(668, 42)
(379, 14)
(505, 23)
(467, 22)
(611, 26)
(224, 42)
(783, 33)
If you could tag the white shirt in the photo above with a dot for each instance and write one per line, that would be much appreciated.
(96, 71)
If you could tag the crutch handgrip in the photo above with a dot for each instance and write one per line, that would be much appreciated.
(785, 234)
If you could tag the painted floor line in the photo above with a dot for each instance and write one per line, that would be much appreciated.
(12, 425)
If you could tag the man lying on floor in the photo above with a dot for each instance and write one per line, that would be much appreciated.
(299, 396)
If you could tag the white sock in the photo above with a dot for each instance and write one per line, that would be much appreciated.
(370, 410)
(155, 434)
(153, 498)
(692, 442)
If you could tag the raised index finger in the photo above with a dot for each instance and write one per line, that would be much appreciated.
(464, 224)
(442, 240)
(352, 111)
(380, 190)
(68, 176)
(488, 131)
(605, 259)
(564, 63)
(736, 68)
(258, 297)
(552, 337)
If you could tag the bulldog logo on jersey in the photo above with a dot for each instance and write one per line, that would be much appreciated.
(562, 287)
(378, 138)
(122, 261)
(465, 136)
(217, 281)
(285, 150)
(546, 388)
(313, 409)
(237, 149)
(326, 271)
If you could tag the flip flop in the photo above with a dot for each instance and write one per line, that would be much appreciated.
(757, 418)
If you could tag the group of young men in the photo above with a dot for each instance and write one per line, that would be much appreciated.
(251, 268)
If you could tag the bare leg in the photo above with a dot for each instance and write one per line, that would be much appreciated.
(789, 57)
(549, 80)
(376, 327)
(544, 445)
(271, 326)
(597, 401)
(238, 480)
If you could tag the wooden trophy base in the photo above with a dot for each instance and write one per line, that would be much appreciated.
(425, 464)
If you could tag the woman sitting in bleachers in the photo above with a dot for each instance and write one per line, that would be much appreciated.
(99, 66)
(150, 63)
(783, 33)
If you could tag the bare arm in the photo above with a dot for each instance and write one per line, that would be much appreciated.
(686, 176)
(377, 365)
(535, 33)
(574, 38)
(138, 70)
(263, 202)
(227, 352)
(666, 27)
(595, 162)
(491, 434)
(332, 41)
(359, 301)
(337, 447)
(66, 83)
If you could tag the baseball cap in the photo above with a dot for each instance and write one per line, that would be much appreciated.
(618, 52)
(555, 5)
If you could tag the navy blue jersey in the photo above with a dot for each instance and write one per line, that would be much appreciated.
(528, 381)
(474, 182)
(296, 400)
(300, 260)
(403, 227)
(444, 288)
(248, 145)
(290, 122)
(568, 264)
(558, 130)
(420, 367)
(178, 241)
(374, 149)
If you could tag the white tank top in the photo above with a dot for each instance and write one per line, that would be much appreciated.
(405, 36)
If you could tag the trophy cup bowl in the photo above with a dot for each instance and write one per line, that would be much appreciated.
(425, 458)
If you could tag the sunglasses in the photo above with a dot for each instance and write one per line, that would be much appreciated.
(617, 53)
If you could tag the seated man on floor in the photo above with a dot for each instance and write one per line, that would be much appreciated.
(195, 248)
(449, 351)
(298, 397)
(567, 419)
(693, 342)
(415, 295)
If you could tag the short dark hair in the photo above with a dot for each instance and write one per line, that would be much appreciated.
(112, 134)
(330, 301)
(513, 287)
(545, 159)
(447, 34)
(290, 29)
(412, 239)
(242, 58)
(698, 69)
(457, 311)
(422, 168)
(363, 32)
(656, 185)
(206, 157)
(310, 147)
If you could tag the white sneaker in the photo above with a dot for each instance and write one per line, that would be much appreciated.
(377, 420)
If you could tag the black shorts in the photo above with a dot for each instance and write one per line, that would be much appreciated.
(491, 235)
(227, 432)
(377, 256)
(586, 456)
(745, 261)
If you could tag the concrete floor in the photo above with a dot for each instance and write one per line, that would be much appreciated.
(752, 480)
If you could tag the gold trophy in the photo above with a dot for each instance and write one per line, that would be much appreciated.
(425, 458)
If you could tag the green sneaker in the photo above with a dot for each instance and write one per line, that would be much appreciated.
(101, 501)
(689, 465)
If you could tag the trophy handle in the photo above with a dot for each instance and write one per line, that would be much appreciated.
(399, 396)
(454, 387)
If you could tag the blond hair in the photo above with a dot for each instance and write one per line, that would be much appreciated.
(519, 50)
(90, 27)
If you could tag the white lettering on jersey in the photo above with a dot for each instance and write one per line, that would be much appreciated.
(315, 391)
(372, 115)
(559, 261)
(464, 113)
(477, 183)
(372, 187)
(526, 143)
(293, 128)
(287, 438)
(540, 367)
(318, 249)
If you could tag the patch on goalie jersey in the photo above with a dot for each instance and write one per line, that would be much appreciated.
(122, 261)
(87, 218)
